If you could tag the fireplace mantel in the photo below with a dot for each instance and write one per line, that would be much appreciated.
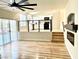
(70, 31)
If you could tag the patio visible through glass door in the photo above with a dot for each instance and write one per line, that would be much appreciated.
(6, 33)
(1, 41)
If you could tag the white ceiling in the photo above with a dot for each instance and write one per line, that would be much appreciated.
(42, 5)
(50, 4)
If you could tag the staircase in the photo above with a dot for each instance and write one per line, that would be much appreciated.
(57, 37)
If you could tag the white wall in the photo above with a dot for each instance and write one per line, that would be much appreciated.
(57, 20)
(8, 14)
(71, 8)
(78, 29)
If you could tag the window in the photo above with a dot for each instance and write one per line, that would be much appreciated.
(23, 23)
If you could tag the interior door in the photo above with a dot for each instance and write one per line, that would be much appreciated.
(6, 33)
(13, 30)
(1, 41)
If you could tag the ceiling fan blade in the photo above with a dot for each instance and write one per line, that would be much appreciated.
(29, 5)
(22, 1)
(28, 8)
(20, 8)
(14, 1)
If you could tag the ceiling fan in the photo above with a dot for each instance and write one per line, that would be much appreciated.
(20, 5)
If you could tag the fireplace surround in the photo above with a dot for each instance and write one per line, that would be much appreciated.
(71, 28)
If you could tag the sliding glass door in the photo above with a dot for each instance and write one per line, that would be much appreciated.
(13, 30)
(1, 41)
(6, 32)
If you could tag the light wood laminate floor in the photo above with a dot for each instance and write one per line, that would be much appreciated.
(34, 50)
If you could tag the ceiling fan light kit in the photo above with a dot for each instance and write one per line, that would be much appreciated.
(21, 6)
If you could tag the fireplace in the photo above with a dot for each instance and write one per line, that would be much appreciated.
(70, 37)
